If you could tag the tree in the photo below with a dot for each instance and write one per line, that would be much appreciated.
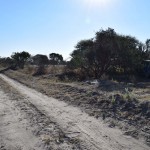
(55, 58)
(95, 55)
(104, 50)
(20, 58)
(130, 54)
(109, 51)
(79, 59)
(40, 60)
(147, 45)
(6, 61)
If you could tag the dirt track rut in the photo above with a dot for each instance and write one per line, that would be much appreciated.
(93, 134)
(13, 133)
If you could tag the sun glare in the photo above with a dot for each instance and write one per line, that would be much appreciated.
(96, 3)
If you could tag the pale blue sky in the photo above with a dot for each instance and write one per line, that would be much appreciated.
(46, 26)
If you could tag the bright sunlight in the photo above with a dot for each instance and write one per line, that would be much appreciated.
(97, 3)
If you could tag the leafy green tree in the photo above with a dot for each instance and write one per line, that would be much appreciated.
(20, 58)
(55, 58)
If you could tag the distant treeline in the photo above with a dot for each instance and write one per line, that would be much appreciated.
(19, 59)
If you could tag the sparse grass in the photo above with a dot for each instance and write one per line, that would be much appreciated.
(47, 139)
(112, 124)
(94, 100)
(113, 99)
(128, 95)
(1, 67)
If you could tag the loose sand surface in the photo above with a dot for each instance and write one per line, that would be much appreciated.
(23, 124)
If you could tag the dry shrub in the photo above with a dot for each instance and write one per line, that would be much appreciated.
(29, 69)
(68, 75)
(104, 77)
(43, 69)
(1, 67)
(40, 70)
(72, 75)
(55, 69)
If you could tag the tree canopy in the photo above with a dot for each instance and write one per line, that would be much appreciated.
(20, 58)
(107, 51)
(40, 59)
(55, 58)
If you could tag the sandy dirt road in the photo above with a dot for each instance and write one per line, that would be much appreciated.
(13, 133)
(93, 134)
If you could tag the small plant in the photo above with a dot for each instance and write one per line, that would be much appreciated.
(40, 71)
(128, 95)
(112, 124)
(46, 139)
(113, 99)
(89, 94)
